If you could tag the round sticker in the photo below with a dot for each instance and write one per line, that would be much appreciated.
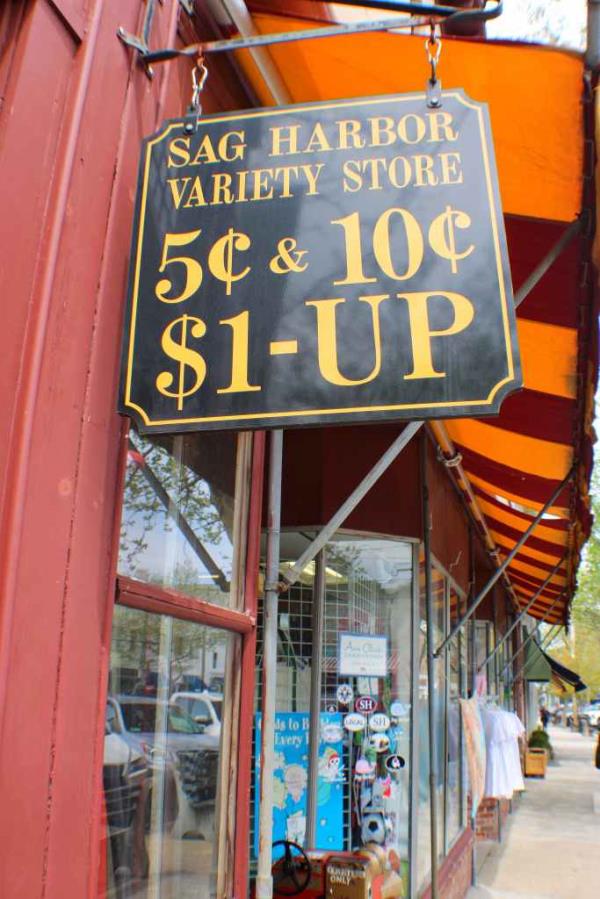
(379, 721)
(345, 694)
(355, 722)
(394, 763)
(331, 733)
(397, 709)
(379, 742)
(365, 704)
(332, 708)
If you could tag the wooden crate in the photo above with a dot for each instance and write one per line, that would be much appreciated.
(536, 761)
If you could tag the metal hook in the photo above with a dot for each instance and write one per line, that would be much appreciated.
(433, 48)
(199, 76)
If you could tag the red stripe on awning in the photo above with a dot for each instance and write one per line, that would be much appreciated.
(528, 486)
(540, 415)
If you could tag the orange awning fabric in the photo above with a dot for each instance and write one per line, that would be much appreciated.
(542, 122)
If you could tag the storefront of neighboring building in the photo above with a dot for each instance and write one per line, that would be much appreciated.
(134, 567)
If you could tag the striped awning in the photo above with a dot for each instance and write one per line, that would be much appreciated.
(542, 121)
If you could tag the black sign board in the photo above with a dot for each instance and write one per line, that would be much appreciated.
(334, 262)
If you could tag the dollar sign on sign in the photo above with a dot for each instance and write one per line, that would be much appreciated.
(220, 258)
(442, 235)
(190, 362)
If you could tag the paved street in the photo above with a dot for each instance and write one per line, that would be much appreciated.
(551, 846)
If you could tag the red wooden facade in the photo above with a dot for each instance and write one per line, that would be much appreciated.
(75, 105)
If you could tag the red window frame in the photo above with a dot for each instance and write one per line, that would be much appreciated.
(165, 601)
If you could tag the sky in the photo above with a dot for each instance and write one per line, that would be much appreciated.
(565, 21)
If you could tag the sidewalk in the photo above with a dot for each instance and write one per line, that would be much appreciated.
(551, 846)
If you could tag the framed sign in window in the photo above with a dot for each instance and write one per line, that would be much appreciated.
(362, 655)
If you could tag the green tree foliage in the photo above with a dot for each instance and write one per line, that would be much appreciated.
(581, 649)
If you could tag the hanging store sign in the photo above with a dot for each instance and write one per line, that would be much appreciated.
(332, 262)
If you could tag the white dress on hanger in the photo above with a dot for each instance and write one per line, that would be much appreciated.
(503, 769)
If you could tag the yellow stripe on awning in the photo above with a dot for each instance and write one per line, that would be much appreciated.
(540, 573)
(559, 511)
(506, 543)
(493, 513)
(528, 454)
(534, 95)
(548, 358)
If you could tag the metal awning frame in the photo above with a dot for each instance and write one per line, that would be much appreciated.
(548, 261)
(530, 636)
(383, 463)
(499, 572)
(424, 13)
(549, 638)
(520, 616)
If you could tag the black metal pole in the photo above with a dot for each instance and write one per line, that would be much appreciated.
(521, 615)
(498, 574)
(430, 673)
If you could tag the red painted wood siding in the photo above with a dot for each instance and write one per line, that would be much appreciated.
(74, 107)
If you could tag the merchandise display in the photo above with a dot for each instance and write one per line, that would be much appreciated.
(503, 774)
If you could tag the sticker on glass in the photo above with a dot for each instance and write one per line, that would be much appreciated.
(355, 722)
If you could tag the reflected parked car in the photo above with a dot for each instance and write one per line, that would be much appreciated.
(205, 709)
(125, 783)
(191, 683)
(173, 744)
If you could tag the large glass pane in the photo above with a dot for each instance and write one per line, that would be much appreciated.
(162, 758)
(183, 512)
(363, 775)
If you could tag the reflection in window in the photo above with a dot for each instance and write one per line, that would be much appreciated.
(161, 761)
(179, 512)
(368, 592)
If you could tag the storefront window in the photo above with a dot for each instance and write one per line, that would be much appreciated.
(163, 753)
(364, 715)
(173, 698)
(180, 513)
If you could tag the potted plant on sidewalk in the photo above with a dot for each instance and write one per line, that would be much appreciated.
(539, 750)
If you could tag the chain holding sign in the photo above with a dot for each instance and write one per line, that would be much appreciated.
(331, 262)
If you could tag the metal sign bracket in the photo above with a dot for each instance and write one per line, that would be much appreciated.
(421, 15)
(140, 42)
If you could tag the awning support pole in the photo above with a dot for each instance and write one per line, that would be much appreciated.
(520, 616)
(498, 573)
(529, 637)
(264, 878)
(291, 576)
(540, 270)
(314, 733)
(433, 736)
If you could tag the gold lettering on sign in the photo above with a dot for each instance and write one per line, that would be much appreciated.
(220, 258)
(239, 325)
(377, 131)
(327, 339)
(421, 333)
(176, 348)
(442, 236)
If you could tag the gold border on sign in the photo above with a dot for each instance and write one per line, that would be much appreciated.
(307, 413)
